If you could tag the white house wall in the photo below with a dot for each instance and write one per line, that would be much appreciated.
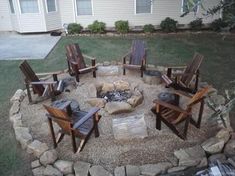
(5, 18)
(66, 11)
(33, 22)
(110, 11)
(52, 19)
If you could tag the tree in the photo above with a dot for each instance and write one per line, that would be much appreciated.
(226, 6)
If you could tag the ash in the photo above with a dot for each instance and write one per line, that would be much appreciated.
(116, 95)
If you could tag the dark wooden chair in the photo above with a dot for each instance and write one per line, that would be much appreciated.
(183, 81)
(137, 57)
(76, 124)
(76, 62)
(42, 88)
(173, 115)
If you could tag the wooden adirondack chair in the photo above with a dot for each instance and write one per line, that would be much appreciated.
(76, 124)
(137, 57)
(183, 80)
(42, 88)
(76, 62)
(172, 115)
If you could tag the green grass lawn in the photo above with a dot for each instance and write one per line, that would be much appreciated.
(217, 69)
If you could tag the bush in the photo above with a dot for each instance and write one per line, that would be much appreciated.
(97, 27)
(122, 26)
(218, 24)
(74, 28)
(196, 25)
(149, 28)
(168, 25)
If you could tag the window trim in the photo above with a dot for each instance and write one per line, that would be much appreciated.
(12, 7)
(39, 9)
(151, 9)
(182, 9)
(55, 7)
(76, 9)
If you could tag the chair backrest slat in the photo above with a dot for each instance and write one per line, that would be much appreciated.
(192, 68)
(137, 52)
(60, 117)
(31, 77)
(74, 53)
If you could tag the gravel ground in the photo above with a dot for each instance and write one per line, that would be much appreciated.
(105, 150)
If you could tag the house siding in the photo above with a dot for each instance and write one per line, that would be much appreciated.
(107, 11)
(5, 16)
(32, 22)
(67, 11)
(52, 19)
(111, 11)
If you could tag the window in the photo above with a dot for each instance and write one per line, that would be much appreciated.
(51, 6)
(29, 6)
(190, 5)
(11, 6)
(84, 7)
(143, 6)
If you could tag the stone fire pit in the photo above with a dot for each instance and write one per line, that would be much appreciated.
(117, 97)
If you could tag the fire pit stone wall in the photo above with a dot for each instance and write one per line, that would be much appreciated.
(109, 96)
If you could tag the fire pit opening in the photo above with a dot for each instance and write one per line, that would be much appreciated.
(116, 95)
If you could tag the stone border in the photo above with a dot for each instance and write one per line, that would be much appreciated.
(47, 163)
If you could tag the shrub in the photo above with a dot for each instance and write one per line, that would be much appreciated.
(149, 28)
(168, 25)
(217, 24)
(122, 26)
(74, 28)
(196, 24)
(97, 27)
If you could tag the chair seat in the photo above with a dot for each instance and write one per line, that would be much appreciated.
(170, 115)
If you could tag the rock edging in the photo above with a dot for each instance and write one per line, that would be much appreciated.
(220, 147)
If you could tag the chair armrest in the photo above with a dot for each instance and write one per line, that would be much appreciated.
(127, 54)
(88, 57)
(170, 106)
(50, 73)
(177, 67)
(42, 83)
(179, 92)
(89, 115)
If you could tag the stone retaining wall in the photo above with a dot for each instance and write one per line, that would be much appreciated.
(221, 147)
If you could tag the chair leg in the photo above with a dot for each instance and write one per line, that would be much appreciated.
(52, 132)
(28, 93)
(73, 141)
(124, 71)
(95, 118)
(94, 70)
(186, 127)
(59, 137)
(200, 114)
(82, 144)
(158, 121)
(142, 72)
